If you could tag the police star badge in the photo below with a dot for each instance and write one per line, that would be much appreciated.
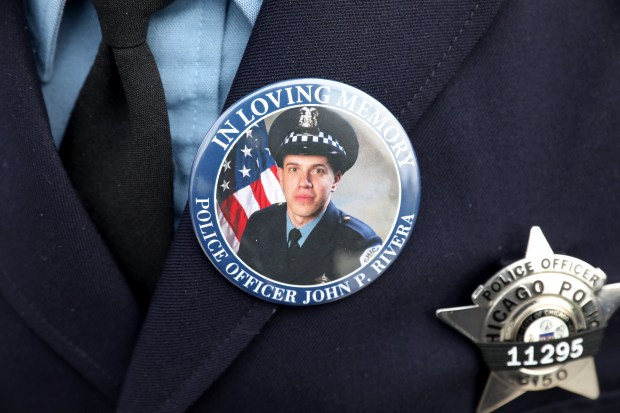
(538, 323)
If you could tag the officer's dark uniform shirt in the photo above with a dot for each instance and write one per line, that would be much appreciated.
(334, 248)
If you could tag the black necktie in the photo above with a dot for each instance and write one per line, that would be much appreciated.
(117, 147)
(294, 236)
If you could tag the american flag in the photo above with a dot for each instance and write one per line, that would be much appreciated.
(248, 182)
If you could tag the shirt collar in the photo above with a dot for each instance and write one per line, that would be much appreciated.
(305, 230)
(44, 18)
(249, 8)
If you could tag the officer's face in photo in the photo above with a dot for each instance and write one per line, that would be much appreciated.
(307, 182)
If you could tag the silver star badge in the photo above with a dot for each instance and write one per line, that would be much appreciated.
(538, 323)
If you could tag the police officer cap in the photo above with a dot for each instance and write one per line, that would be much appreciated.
(314, 131)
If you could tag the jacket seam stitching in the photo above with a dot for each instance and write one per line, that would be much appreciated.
(61, 336)
(441, 60)
(198, 370)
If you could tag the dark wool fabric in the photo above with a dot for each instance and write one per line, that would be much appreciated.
(117, 147)
(514, 112)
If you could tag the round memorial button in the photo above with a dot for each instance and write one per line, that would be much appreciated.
(304, 192)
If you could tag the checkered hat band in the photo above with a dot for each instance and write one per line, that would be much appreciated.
(294, 137)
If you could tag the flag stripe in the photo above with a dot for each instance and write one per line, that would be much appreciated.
(259, 194)
(235, 215)
(227, 231)
(271, 185)
(246, 199)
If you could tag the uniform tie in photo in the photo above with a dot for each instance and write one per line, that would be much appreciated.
(294, 236)
(117, 148)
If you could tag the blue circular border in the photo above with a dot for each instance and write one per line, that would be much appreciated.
(202, 197)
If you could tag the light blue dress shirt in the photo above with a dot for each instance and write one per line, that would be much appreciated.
(305, 230)
(197, 45)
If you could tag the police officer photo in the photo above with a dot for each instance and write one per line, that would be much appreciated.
(307, 240)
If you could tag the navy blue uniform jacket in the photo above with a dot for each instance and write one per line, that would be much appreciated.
(333, 248)
(513, 109)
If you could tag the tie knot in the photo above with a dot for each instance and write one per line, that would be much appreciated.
(124, 23)
(293, 236)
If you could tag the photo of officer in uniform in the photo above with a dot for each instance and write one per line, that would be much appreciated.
(307, 240)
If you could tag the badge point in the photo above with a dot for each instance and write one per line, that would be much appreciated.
(584, 383)
(610, 299)
(537, 245)
(496, 394)
(464, 319)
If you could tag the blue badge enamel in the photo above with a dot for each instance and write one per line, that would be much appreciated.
(304, 192)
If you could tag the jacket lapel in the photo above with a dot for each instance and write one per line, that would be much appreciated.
(403, 54)
(55, 270)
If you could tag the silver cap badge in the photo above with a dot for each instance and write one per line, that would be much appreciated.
(308, 117)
